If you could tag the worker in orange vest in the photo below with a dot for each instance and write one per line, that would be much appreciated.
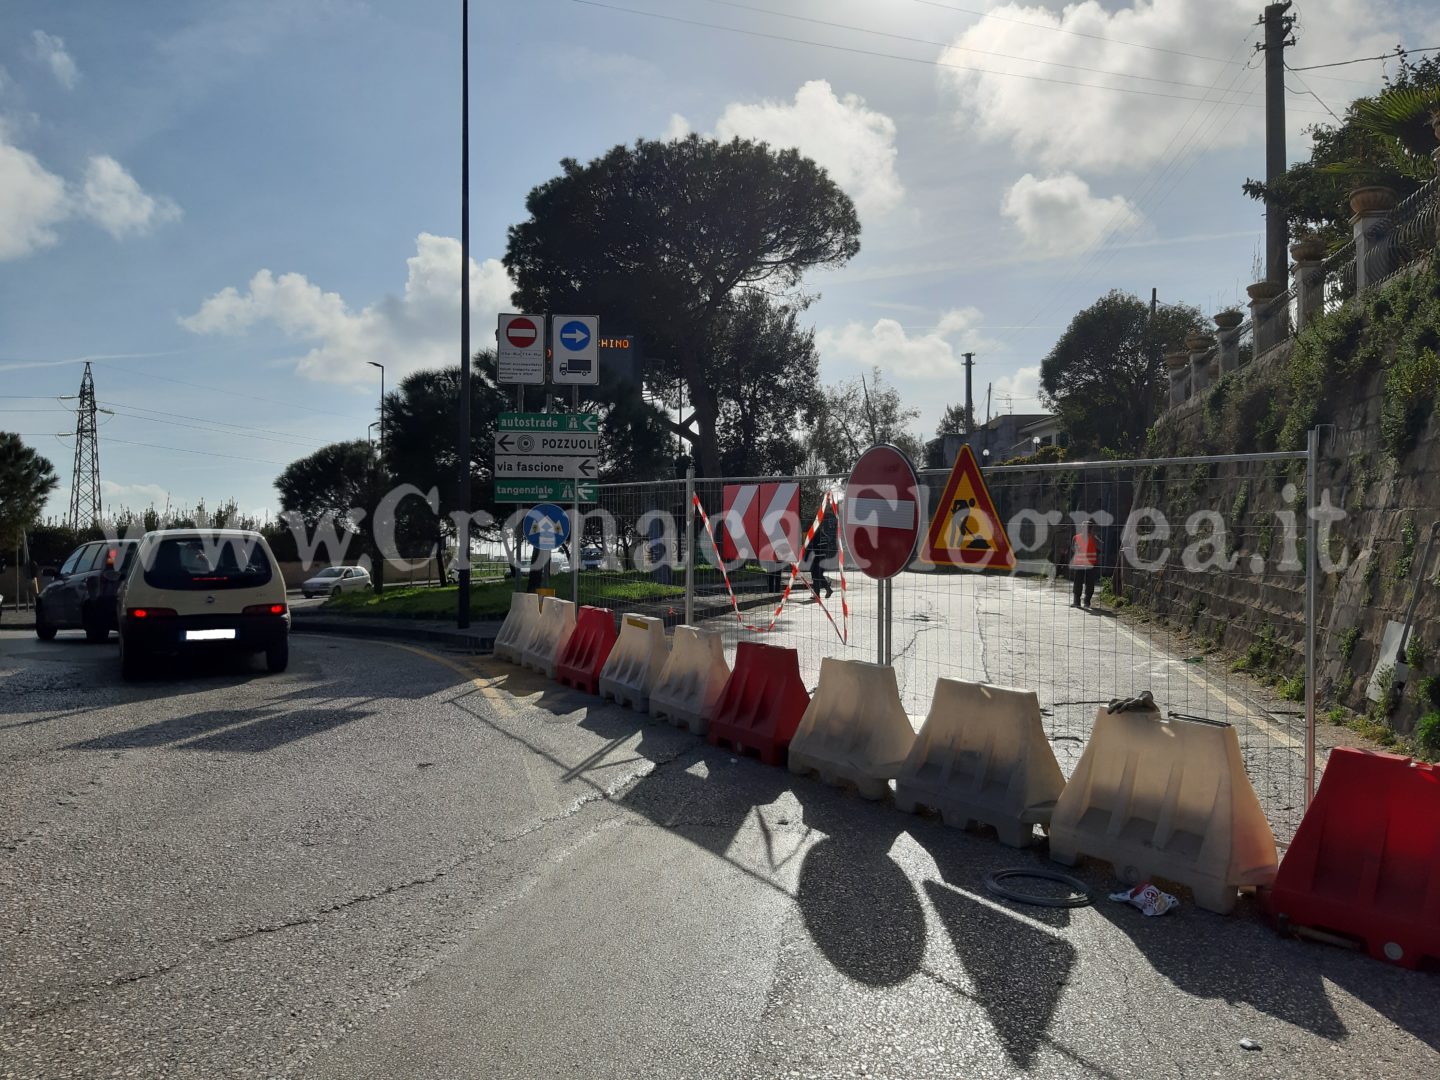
(1084, 562)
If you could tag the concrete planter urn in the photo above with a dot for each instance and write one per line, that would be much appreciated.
(1308, 249)
(1372, 198)
(1177, 361)
(1195, 341)
(1264, 290)
(1228, 320)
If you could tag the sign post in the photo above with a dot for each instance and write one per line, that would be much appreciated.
(881, 524)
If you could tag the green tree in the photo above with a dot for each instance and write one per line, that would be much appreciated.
(26, 481)
(955, 420)
(655, 237)
(336, 484)
(854, 415)
(1106, 375)
(1385, 140)
(774, 371)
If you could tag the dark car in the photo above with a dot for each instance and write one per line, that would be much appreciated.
(81, 594)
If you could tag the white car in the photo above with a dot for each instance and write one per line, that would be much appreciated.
(197, 590)
(335, 580)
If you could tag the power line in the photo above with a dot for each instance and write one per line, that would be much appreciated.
(203, 426)
(1307, 90)
(1362, 59)
(896, 56)
(951, 45)
(183, 450)
(1095, 254)
(281, 436)
(1072, 33)
(230, 393)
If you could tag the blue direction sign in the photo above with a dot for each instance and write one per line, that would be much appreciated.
(547, 526)
(575, 335)
(576, 348)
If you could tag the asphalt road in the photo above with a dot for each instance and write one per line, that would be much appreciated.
(1022, 632)
(389, 864)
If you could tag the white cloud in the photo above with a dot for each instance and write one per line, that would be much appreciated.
(32, 202)
(1018, 392)
(855, 144)
(50, 50)
(1068, 127)
(133, 496)
(113, 200)
(678, 128)
(418, 329)
(899, 354)
(1058, 216)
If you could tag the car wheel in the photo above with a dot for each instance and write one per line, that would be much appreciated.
(132, 662)
(335, 591)
(308, 595)
(43, 630)
(95, 630)
(277, 657)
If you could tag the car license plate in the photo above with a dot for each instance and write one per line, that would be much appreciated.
(210, 635)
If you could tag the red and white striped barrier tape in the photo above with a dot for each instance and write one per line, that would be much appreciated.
(844, 633)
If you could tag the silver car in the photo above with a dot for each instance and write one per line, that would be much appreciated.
(335, 580)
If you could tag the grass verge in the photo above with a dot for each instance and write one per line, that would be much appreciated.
(492, 599)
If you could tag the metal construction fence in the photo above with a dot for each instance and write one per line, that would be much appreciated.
(1184, 545)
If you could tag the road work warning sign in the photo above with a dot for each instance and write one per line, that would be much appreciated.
(966, 531)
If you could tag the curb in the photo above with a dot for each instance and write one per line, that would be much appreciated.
(470, 640)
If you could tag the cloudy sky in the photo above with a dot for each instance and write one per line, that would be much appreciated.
(230, 208)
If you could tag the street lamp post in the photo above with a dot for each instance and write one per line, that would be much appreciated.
(462, 531)
(373, 363)
(370, 431)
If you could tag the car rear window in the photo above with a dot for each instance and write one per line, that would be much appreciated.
(194, 562)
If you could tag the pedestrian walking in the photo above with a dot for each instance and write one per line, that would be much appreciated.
(823, 546)
(1084, 563)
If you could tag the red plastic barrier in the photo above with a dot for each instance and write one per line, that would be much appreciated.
(1365, 862)
(587, 650)
(762, 702)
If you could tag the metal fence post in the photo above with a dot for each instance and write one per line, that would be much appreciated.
(1312, 533)
(690, 546)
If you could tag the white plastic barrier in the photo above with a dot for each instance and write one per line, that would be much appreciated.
(982, 756)
(855, 729)
(633, 668)
(517, 627)
(551, 632)
(692, 680)
(1166, 798)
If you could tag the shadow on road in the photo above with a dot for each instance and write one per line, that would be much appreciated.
(1199, 952)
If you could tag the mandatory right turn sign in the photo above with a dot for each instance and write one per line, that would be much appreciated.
(966, 531)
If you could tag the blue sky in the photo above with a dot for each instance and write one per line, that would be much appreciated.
(232, 207)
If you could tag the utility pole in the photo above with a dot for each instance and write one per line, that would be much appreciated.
(1154, 302)
(969, 397)
(462, 534)
(1277, 29)
(85, 480)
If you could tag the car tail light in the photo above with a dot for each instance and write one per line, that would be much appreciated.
(149, 612)
(265, 609)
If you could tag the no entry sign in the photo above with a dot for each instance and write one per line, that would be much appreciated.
(882, 512)
(521, 332)
(520, 349)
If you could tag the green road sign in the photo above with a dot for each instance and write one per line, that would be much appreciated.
(539, 421)
(539, 491)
